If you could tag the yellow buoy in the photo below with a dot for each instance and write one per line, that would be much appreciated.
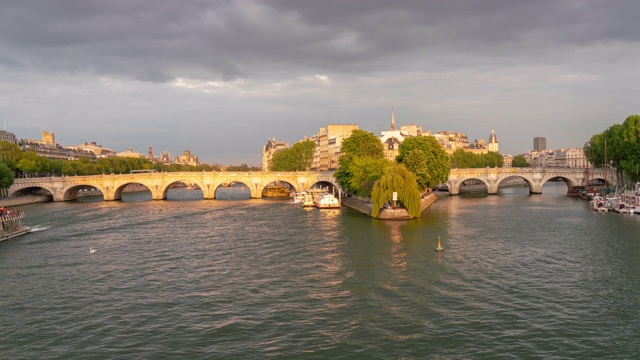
(439, 248)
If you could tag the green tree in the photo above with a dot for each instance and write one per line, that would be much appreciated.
(619, 146)
(296, 158)
(431, 167)
(397, 178)
(519, 161)
(493, 159)
(10, 153)
(28, 162)
(361, 144)
(365, 171)
(6, 178)
(465, 159)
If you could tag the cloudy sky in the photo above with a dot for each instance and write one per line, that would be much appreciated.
(221, 77)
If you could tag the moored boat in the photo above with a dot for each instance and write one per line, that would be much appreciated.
(298, 197)
(327, 201)
(598, 203)
(12, 224)
(307, 201)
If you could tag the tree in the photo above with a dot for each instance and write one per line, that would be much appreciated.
(365, 171)
(9, 153)
(619, 146)
(296, 158)
(6, 178)
(519, 161)
(465, 159)
(28, 162)
(431, 167)
(399, 179)
(361, 144)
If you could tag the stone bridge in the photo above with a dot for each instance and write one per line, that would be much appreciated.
(67, 187)
(535, 177)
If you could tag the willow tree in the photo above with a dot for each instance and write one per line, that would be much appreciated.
(397, 178)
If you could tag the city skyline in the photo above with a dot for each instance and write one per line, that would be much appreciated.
(220, 79)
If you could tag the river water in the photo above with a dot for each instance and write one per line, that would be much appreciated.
(522, 276)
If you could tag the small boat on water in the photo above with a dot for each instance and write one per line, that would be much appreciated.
(307, 201)
(598, 204)
(327, 201)
(298, 197)
(12, 224)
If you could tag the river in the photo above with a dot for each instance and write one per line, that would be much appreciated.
(522, 276)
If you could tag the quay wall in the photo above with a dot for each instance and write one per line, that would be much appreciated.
(365, 206)
(25, 200)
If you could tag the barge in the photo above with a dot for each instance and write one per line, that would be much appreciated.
(12, 224)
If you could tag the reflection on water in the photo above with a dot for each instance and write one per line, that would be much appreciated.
(532, 276)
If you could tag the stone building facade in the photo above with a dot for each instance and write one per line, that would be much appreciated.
(565, 158)
(47, 147)
(98, 150)
(269, 149)
(8, 137)
(328, 145)
(187, 159)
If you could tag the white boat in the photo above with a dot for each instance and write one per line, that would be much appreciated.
(298, 197)
(307, 201)
(598, 203)
(327, 201)
(12, 224)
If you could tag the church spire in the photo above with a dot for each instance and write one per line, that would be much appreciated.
(393, 120)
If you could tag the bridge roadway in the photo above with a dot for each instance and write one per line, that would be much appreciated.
(67, 187)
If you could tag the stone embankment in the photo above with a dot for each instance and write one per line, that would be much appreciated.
(25, 200)
(365, 206)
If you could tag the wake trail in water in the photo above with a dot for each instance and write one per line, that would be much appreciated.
(39, 228)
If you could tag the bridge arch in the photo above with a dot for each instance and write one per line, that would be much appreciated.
(167, 186)
(70, 193)
(456, 186)
(569, 182)
(31, 190)
(278, 188)
(117, 192)
(504, 181)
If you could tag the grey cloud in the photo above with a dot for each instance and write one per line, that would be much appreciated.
(162, 40)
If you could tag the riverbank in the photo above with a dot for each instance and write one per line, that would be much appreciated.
(25, 200)
(365, 206)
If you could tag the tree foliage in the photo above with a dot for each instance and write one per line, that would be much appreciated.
(365, 171)
(296, 158)
(397, 178)
(622, 149)
(9, 153)
(6, 176)
(462, 159)
(425, 158)
(30, 164)
(241, 167)
(520, 161)
(361, 144)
